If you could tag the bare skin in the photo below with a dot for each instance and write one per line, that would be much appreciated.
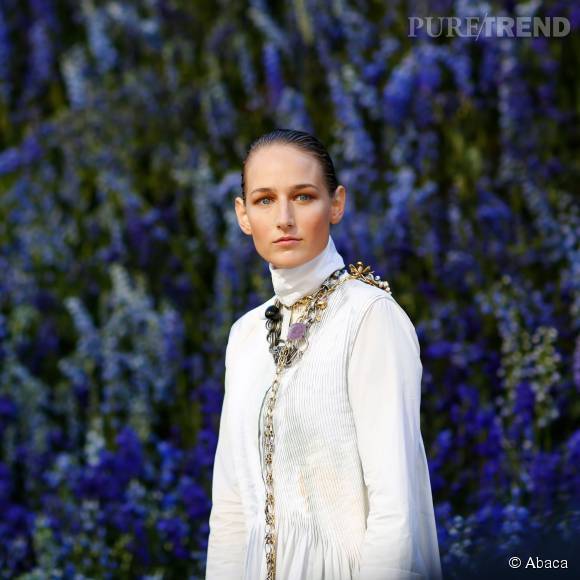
(286, 195)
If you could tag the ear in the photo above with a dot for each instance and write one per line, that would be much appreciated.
(242, 216)
(337, 204)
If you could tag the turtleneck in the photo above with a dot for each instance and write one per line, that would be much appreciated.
(291, 284)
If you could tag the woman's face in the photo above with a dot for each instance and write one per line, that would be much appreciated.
(286, 196)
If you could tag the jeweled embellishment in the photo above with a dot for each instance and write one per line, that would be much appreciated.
(365, 274)
(296, 331)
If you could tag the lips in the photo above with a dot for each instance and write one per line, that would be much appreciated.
(287, 240)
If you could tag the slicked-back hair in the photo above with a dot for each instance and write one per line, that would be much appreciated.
(301, 140)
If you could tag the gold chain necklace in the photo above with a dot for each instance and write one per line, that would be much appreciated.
(291, 351)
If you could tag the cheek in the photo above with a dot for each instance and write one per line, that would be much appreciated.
(315, 215)
(261, 226)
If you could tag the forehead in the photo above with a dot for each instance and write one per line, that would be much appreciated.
(279, 165)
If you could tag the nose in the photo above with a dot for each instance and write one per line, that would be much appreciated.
(285, 215)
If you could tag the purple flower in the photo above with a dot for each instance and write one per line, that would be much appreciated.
(23, 155)
(103, 50)
(203, 454)
(41, 57)
(576, 364)
(130, 457)
(439, 349)
(8, 409)
(398, 92)
(5, 51)
(275, 80)
(196, 501)
(5, 486)
(175, 532)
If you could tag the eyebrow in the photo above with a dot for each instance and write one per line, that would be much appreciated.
(293, 188)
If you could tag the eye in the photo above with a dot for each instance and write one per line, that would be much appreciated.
(306, 194)
(259, 202)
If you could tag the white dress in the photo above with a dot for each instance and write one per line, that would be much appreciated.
(351, 484)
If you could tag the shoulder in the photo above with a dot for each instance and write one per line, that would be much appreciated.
(369, 302)
(361, 296)
(359, 293)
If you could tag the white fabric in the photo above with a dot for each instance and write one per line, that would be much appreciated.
(352, 490)
(290, 284)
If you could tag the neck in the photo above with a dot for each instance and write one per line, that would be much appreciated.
(291, 284)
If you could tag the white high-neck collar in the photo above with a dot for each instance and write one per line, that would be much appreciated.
(291, 284)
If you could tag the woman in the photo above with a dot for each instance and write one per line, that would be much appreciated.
(320, 470)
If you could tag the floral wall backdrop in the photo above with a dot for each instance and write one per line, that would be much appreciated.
(122, 267)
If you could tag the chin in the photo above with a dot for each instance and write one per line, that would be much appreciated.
(288, 259)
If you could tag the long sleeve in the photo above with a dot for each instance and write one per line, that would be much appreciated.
(384, 386)
(228, 535)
